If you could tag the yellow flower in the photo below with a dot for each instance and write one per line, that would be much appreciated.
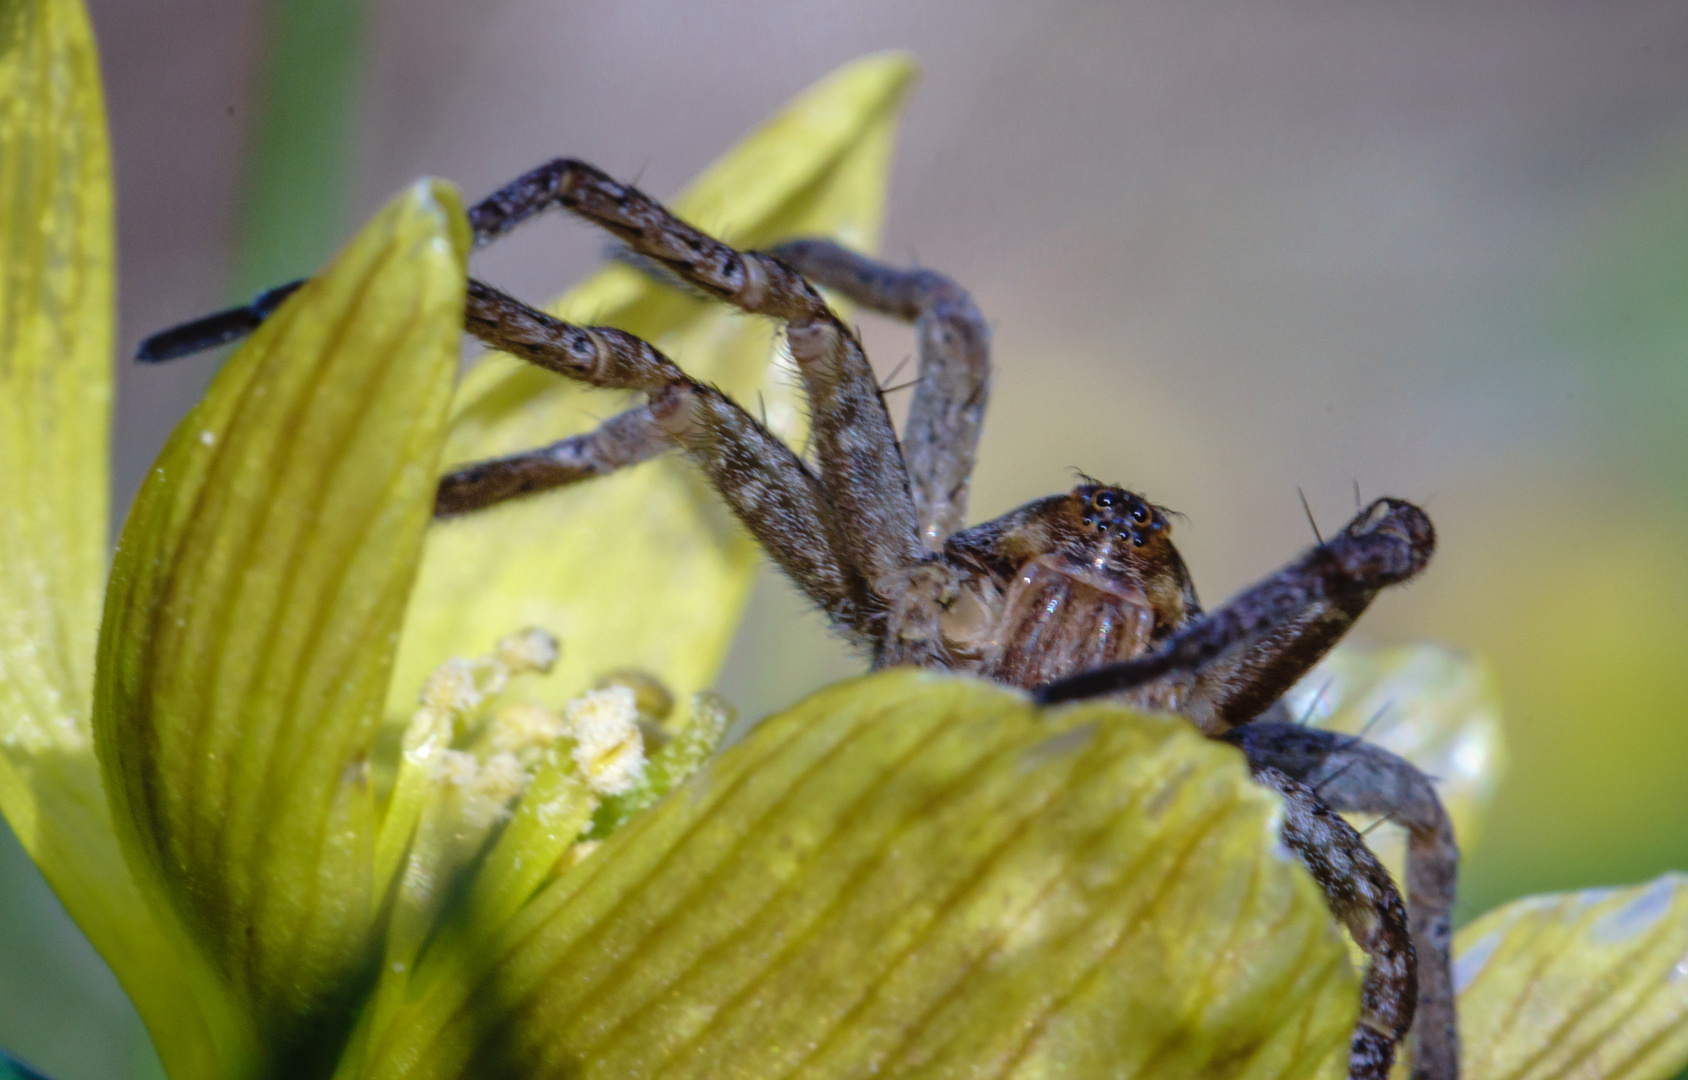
(326, 808)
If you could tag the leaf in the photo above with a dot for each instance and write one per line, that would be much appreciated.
(1436, 707)
(55, 405)
(1590, 985)
(646, 569)
(254, 608)
(914, 875)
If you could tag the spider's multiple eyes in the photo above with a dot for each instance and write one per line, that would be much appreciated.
(1121, 513)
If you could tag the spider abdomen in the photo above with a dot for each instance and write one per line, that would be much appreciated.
(1056, 621)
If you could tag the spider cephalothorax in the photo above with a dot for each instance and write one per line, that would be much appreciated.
(1075, 595)
(1064, 585)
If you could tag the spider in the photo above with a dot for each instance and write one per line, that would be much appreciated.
(1077, 595)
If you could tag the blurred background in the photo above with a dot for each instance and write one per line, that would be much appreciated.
(1438, 250)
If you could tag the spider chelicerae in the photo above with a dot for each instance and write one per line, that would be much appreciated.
(1076, 595)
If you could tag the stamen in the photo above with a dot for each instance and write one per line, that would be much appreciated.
(681, 756)
(501, 779)
(528, 651)
(466, 757)
(523, 727)
(654, 702)
(513, 792)
(608, 746)
(650, 697)
(452, 689)
(428, 731)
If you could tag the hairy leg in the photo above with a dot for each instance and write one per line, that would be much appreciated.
(862, 478)
(861, 467)
(940, 440)
(1365, 900)
(1227, 667)
(1352, 775)
(624, 439)
(763, 481)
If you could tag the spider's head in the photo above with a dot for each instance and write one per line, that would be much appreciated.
(1110, 519)
(1108, 532)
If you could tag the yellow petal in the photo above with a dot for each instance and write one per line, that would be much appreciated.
(646, 569)
(254, 607)
(1580, 986)
(55, 394)
(913, 874)
(1435, 707)
(55, 391)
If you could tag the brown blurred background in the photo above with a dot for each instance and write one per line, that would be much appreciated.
(1439, 250)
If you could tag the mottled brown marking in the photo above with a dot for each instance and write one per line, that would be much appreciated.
(1349, 774)
(1363, 897)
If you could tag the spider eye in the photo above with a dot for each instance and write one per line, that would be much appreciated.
(1139, 513)
(1090, 523)
(1106, 498)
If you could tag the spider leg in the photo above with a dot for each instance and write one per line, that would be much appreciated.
(1349, 774)
(1227, 667)
(767, 486)
(1360, 894)
(624, 439)
(941, 437)
(856, 573)
(861, 466)
(219, 328)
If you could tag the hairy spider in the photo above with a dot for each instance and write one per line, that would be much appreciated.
(1076, 595)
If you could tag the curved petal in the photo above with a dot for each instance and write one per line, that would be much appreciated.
(913, 874)
(55, 398)
(253, 609)
(55, 395)
(645, 569)
(1432, 705)
(1581, 986)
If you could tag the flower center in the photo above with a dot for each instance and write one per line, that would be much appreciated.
(499, 791)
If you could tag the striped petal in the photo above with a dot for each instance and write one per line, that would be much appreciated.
(1580, 986)
(912, 874)
(253, 612)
